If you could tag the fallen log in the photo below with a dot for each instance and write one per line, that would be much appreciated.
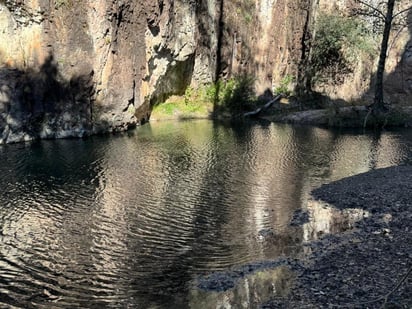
(263, 108)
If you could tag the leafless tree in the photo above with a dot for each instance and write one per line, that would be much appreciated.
(382, 12)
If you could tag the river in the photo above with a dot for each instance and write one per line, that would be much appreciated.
(135, 220)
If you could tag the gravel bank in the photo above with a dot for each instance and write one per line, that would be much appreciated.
(369, 266)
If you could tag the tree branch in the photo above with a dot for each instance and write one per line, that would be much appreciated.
(397, 286)
(403, 11)
(402, 26)
(373, 9)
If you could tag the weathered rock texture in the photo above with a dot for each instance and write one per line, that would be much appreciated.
(79, 67)
(360, 82)
(263, 38)
(70, 67)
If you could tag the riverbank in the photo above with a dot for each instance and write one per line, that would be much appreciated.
(285, 111)
(368, 266)
(349, 116)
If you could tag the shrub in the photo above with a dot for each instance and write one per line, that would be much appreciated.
(337, 44)
(284, 86)
(234, 95)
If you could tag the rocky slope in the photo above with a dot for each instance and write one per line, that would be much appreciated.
(74, 68)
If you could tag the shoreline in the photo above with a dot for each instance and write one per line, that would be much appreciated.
(370, 265)
(342, 117)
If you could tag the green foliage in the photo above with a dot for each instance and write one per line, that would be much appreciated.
(235, 95)
(284, 86)
(337, 45)
(193, 104)
(211, 91)
(166, 108)
(248, 18)
(189, 95)
(62, 3)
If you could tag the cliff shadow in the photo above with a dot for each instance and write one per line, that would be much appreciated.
(42, 102)
(228, 37)
(398, 83)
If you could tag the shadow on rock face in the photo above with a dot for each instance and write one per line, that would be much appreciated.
(398, 84)
(42, 103)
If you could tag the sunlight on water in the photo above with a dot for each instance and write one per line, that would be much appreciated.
(133, 220)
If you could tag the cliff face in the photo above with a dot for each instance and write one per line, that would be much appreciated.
(71, 67)
(78, 67)
(359, 83)
(264, 38)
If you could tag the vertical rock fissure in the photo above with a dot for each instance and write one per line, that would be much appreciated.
(304, 86)
(220, 28)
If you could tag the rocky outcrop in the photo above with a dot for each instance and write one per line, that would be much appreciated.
(348, 116)
(74, 68)
(263, 38)
(398, 82)
(70, 68)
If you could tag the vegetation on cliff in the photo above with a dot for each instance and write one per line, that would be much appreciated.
(340, 49)
(221, 58)
(338, 44)
(228, 98)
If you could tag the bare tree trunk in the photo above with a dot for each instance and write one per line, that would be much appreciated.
(304, 85)
(378, 104)
(305, 72)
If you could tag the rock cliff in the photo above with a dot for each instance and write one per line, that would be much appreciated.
(70, 67)
(79, 67)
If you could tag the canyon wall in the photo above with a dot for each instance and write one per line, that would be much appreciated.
(80, 67)
(358, 84)
(70, 67)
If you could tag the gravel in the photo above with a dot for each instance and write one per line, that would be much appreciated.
(370, 265)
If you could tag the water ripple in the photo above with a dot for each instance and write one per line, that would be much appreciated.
(131, 221)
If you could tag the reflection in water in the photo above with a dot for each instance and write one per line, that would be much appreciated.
(324, 219)
(360, 153)
(132, 220)
(249, 292)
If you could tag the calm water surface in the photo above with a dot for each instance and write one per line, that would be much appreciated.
(133, 221)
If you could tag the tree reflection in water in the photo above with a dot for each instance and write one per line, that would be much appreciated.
(134, 220)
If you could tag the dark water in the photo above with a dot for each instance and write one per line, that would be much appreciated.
(133, 221)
